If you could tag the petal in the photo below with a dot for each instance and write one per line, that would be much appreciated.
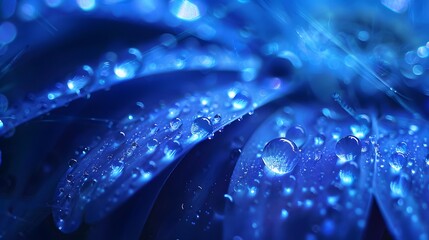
(321, 197)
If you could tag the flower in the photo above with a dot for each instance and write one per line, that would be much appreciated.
(234, 119)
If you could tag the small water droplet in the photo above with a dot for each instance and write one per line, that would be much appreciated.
(240, 101)
(348, 149)
(201, 127)
(171, 149)
(175, 124)
(401, 148)
(152, 145)
(153, 129)
(297, 135)
(216, 119)
(80, 79)
(280, 155)
(72, 162)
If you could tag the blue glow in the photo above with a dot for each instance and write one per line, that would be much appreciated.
(185, 10)
(7, 32)
(86, 5)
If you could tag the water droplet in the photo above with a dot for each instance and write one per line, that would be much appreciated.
(72, 162)
(297, 135)
(280, 155)
(80, 79)
(399, 186)
(171, 149)
(348, 174)
(348, 149)
(173, 111)
(152, 145)
(240, 101)
(128, 64)
(216, 119)
(201, 127)
(401, 148)
(427, 160)
(175, 124)
(289, 185)
(397, 161)
(153, 129)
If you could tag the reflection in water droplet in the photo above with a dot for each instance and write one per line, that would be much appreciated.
(297, 135)
(201, 127)
(348, 149)
(348, 174)
(152, 145)
(280, 155)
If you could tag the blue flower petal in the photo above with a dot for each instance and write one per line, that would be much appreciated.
(322, 197)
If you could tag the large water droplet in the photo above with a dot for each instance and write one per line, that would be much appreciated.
(240, 101)
(201, 127)
(348, 149)
(280, 155)
(297, 135)
(397, 161)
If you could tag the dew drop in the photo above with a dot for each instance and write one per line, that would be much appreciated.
(348, 174)
(216, 119)
(348, 149)
(280, 155)
(171, 149)
(201, 127)
(152, 145)
(175, 124)
(401, 148)
(72, 162)
(399, 186)
(240, 101)
(397, 161)
(297, 135)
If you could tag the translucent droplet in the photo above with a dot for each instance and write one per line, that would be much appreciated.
(348, 174)
(289, 185)
(171, 149)
(348, 149)
(284, 214)
(128, 64)
(240, 101)
(216, 119)
(297, 135)
(173, 111)
(152, 145)
(280, 155)
(175, 124)
(153, 129)
(397, 161)
(80, 79)
(72, 162)
(400, 185)
(201, 127)
(401, 148)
